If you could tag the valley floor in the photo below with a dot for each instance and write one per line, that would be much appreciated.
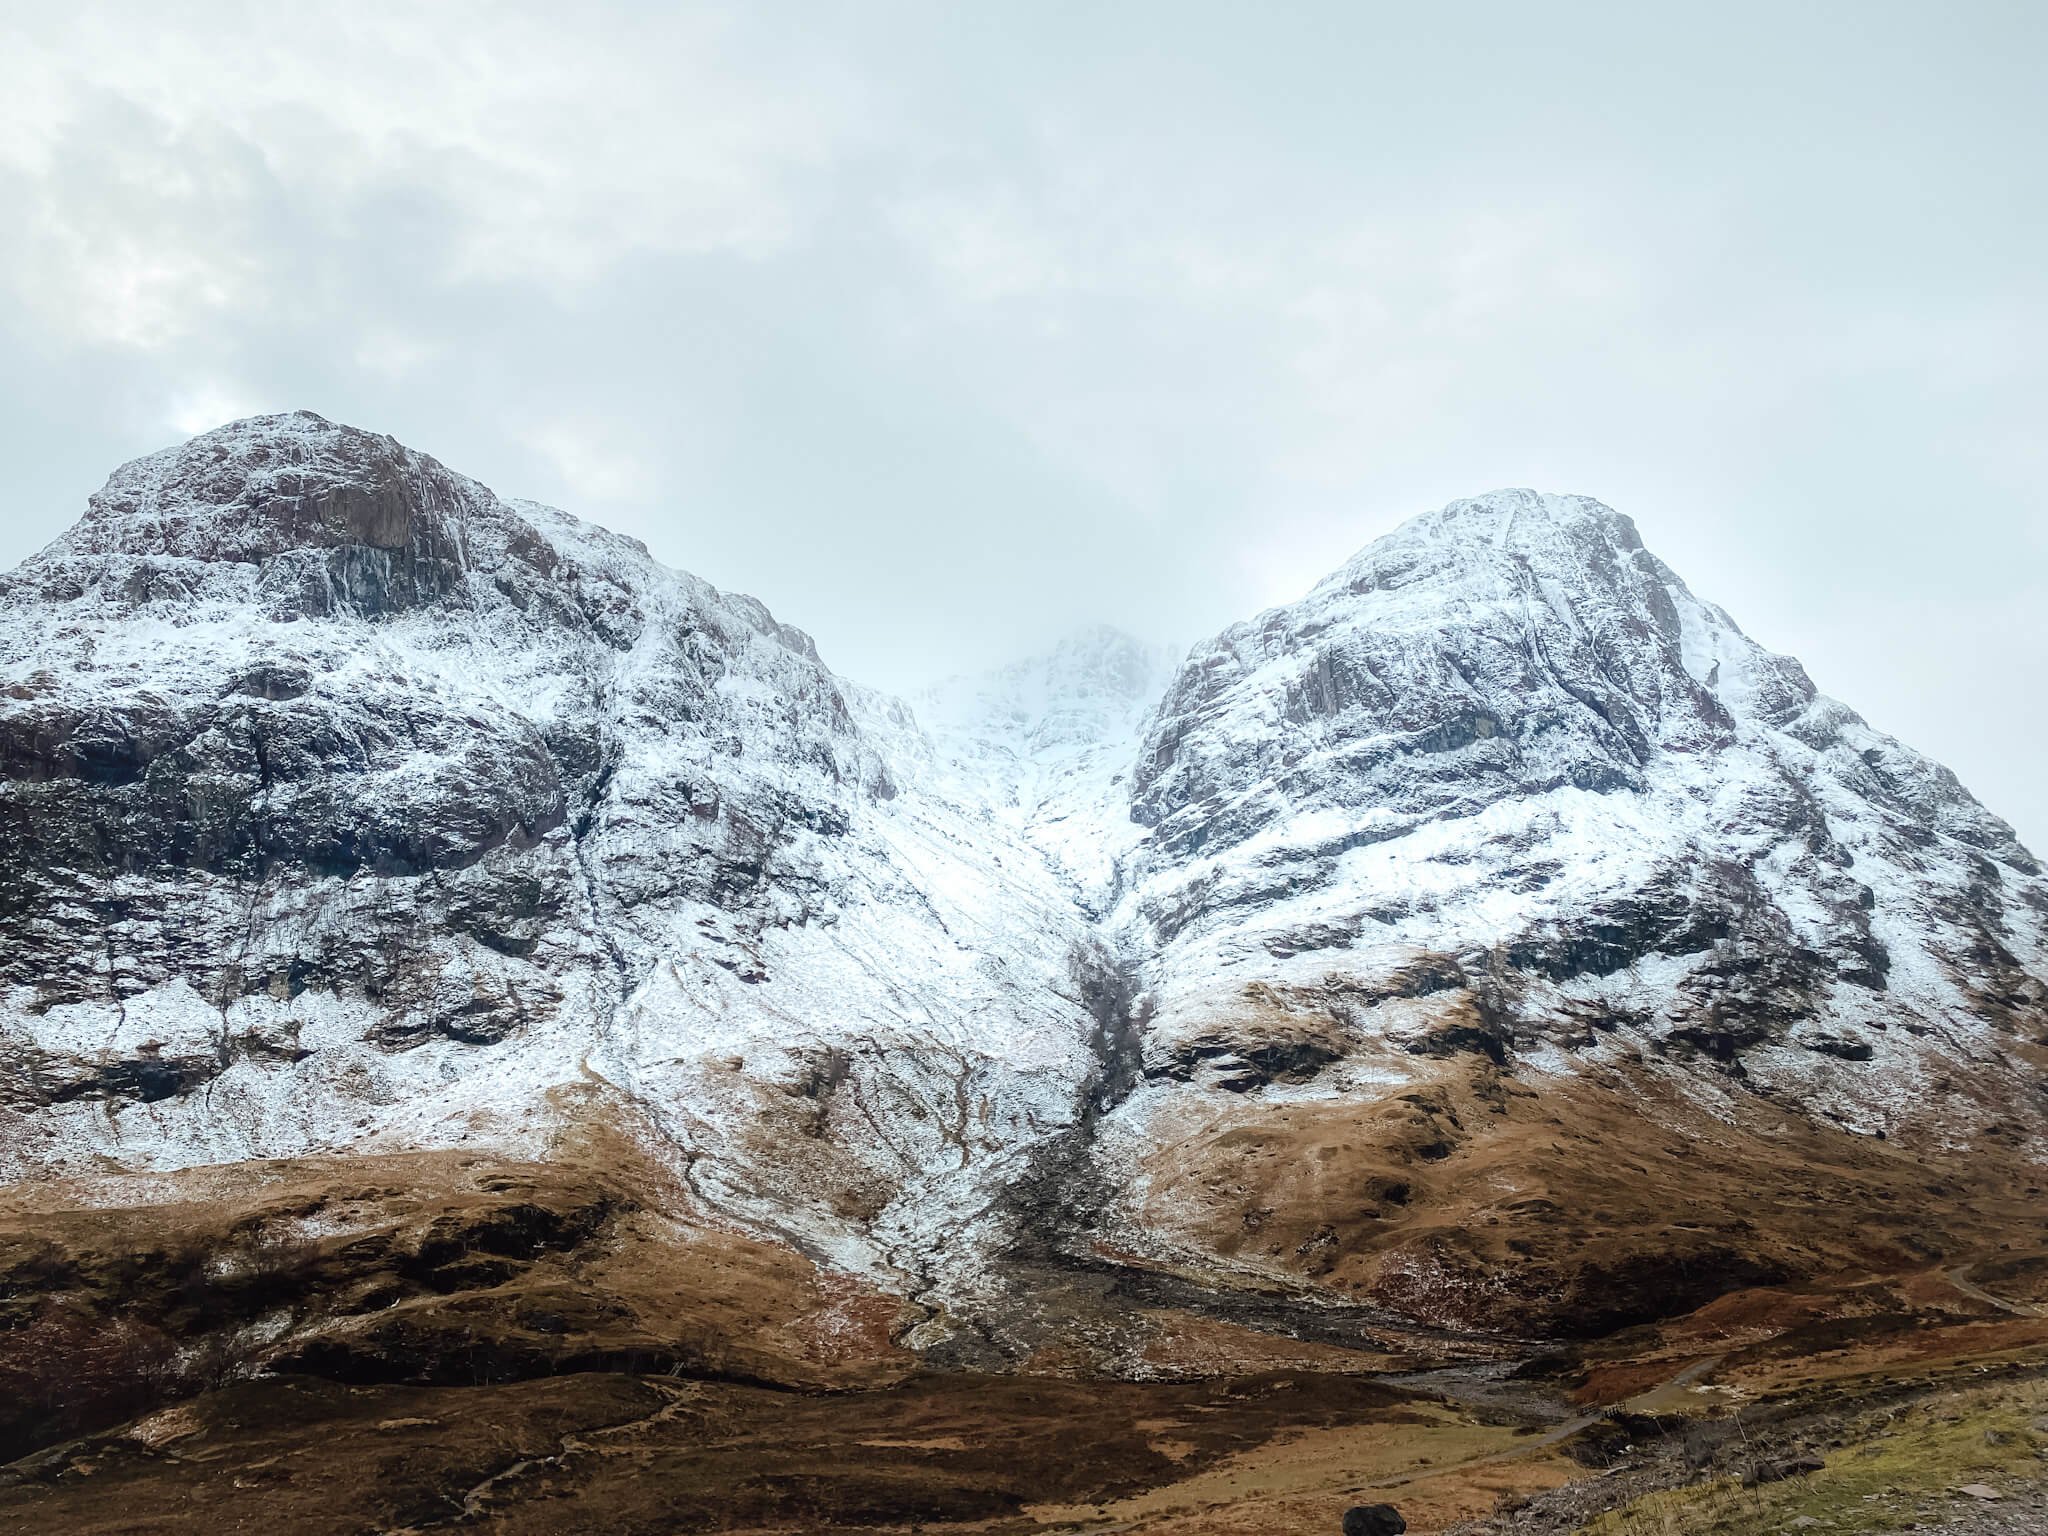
(1956, 1447)
(443, 1342)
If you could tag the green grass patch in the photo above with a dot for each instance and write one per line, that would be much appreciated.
(1892, 1473)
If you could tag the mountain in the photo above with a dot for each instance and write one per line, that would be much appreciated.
(347, 807)
(1519, 901)
(1048, 744)
(1506, 753)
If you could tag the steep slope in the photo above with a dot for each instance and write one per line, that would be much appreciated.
(346, 806)
(1507, 744)
(1501, 807)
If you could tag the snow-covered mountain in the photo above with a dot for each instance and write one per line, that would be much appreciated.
(1505, 753)
(350, 805)
(1048, 744)
(344, 804)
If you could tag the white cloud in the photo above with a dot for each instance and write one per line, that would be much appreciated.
(147, 151)
(595, 462)
(208, 406)
(939, 327)
(392, 354)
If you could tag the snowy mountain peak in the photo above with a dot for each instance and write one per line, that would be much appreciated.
(1087, 689)
(273, 483)
(344, 802)
(1559, 535)
(295, 515)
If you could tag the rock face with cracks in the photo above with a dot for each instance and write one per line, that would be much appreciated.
(1506, 766)
(345, 805)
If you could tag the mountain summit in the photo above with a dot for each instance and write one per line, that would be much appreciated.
(347, 806)
(1508, 729)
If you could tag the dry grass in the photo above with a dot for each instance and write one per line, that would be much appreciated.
(1893, 1471)
(449, 1314)
(1561, 1206)
(430, 1267)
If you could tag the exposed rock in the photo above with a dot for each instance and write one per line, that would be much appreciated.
(344, 804)
(1781, 1471)
(1373, 1520)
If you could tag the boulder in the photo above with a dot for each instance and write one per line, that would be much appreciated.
(1373, 1520)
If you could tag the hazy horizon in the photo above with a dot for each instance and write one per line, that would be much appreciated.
(944, 332)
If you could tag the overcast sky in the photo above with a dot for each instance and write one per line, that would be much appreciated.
(945, 328)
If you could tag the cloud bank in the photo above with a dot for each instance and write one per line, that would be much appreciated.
(943, 329)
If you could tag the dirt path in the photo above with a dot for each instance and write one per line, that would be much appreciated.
(1345, 1487)
(1959, 1277)
(1642, 1402)
(476, 1504)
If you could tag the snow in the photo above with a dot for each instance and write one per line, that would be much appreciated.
(828, 943)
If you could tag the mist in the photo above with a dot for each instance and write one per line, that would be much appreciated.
(944, 330)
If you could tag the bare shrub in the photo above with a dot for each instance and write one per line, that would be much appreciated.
(223, 1356)
(67, 1372)
(266, 1256)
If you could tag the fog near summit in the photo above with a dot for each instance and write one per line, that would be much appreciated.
(944, 330)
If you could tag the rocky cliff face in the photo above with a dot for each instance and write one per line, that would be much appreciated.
(1509, 752)
(345, 804)
(1502, 806)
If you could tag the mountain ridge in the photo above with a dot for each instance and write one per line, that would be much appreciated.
(349, 805)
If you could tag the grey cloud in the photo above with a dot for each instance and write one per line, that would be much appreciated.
(943, 329)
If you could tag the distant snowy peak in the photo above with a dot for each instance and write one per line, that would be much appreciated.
(1046, 746)
(1094, 686)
